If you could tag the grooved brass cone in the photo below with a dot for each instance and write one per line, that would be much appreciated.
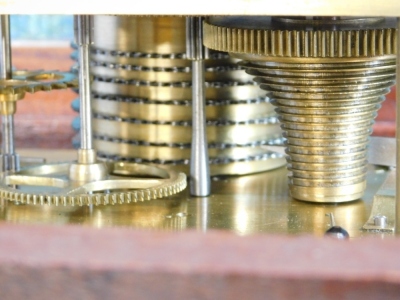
(327, 78)
(326, 121)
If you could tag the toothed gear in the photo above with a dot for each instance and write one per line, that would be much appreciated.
(34, 81)
(260, 36)
(127, 190)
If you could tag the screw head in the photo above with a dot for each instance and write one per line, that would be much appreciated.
(337, 232)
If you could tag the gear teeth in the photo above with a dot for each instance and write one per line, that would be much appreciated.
(33, 81)
(88, 201)
(121, 198)
(168, 188)
(136, 197)
(48, 200)
(48, 87)
(127, 198)
(106, 199)
(142, 196)
(113, 199)
(301, 43)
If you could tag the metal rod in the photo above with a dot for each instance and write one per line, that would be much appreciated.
(200, 184)
(9, 158)
(397, 227)
(202, 214)
(331, 218)
(7, 146)
(83, 37)
(5, 65)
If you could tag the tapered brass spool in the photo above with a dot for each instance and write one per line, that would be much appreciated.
(327, 81)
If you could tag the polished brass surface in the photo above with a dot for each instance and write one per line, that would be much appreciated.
(167, 153)
(236, 134)
(178, 93)
(251, 204)
(219, 166)
(172, 74)
(87, 168)
(8, 102)
(163, 35)
(323, 77)
(169, 113)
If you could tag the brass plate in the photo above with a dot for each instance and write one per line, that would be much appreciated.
(251, 204)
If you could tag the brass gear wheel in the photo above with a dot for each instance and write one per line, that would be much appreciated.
(261, 36)
(34, 81)
(12, 90)
(123, 185)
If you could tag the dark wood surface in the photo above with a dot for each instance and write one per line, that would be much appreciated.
(42, 262)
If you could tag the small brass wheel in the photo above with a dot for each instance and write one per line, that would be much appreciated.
(126, 183)
(12, 90)
(33, 81)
